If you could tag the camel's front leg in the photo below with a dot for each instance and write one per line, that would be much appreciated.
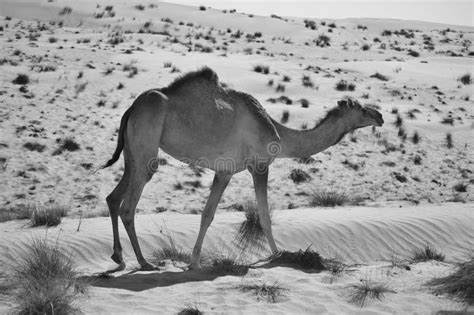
(260, 181)
(218, 186)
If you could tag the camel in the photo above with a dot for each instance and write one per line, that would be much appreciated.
(199, 122)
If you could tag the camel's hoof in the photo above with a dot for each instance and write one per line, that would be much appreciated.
(148, 267)
(117, 258)
(196, 266)
(120, 267)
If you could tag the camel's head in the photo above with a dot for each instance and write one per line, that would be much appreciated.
(364, 116)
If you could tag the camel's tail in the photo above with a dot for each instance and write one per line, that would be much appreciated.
(121, 139)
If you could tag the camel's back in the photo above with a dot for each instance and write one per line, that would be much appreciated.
(206, 117)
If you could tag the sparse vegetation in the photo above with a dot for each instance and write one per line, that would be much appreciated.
(44, 280)
(449, 140)
(465, 79)
(307, 82)
(459, 284)
(265, 291)
(261, 69)
(21, 79)
(190, 310)
(415, 138)
(426, 253)
(460, 187)
(250, 233)
(366, 291)
(168, 249)
(47, 215)
(328, 199)
(67, 144)
(34, 146)
(303, 259)
(299, 176)
(323, 41)
(342, 85)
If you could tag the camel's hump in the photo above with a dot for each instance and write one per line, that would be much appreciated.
(205, 73)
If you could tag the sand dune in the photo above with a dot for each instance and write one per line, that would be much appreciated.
(370, 236)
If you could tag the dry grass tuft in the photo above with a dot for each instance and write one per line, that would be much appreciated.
(366, 291)
(47, 216)
(306, 260)
(328, 199)
(265, 291)
(250, 234)
(427, 253)
(459, 284)
(45, 281)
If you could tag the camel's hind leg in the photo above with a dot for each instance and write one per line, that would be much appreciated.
(142, 140)
(114, 200)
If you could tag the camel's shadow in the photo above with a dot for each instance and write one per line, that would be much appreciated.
(143, 281)
(137, 281)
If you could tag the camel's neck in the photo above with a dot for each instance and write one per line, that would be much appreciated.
(304, 143)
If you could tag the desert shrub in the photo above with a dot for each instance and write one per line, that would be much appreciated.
(426, 253)
(45, 281)
(334, 266)
(399, 121)
(21, 212)
(168, 249)
(366, 291)
(261, 69)
(342, 85)
(190, 310)
(285, 117)
(417, 160)
(34, 146)
(65, 10)
(386, 33)
(47, 216)
(449, 140)
(465, 79)
(328, 199)
(202, 8)
(415, 138)
(460, 187)
(21, 79)
(286, 78)
(448, 121)
(280, 88)
(299, 176)
(306, 260)
(304, 103)
(140, 7)
(310, 24)
(219, 263)
(52, 40)
(459, 284)
(413, 53)
(332, 25)
(365, 47)
(250, 233)
(67, 144)
(120, 86)
(323, 41)
(265, 291)
(307, 82)
(379, 76)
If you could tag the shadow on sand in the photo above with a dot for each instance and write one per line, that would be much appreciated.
(137, 281)
(143, 281)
